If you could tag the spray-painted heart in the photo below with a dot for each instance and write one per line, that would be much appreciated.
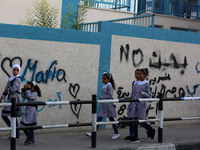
(76, 109)
(73, 89)
(135, 54)
(11, 63)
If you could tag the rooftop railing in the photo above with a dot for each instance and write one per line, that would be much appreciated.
(145, 21)
(123, 5)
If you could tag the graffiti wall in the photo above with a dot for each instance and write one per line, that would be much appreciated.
(68, 65)
(173, 67)
(63, 71)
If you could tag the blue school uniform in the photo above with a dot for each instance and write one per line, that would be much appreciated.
(138, 109)
(107, 109)
(13, 92)
(30, 116)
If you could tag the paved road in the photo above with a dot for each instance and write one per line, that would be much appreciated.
(173, 136)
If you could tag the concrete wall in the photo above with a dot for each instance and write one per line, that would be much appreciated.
(98, 14)
(63, 63)
(171, 57)
(170, 71)
(11, 12)
(17, 10)
(171, 21)
(80, 58)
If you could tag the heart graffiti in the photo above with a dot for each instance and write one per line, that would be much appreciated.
(73, 90)
(135, 54)
(11, 63)
(76, 109)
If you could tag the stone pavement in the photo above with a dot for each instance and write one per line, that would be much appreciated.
(179, 137)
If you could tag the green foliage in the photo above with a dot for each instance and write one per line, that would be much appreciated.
(88, 3)
(73, 18)
(43, 15)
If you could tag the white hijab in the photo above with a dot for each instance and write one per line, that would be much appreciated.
(15, 66)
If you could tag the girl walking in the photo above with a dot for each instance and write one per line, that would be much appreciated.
(107, 109)
(137, 110)
(30, 92)
(12, 91)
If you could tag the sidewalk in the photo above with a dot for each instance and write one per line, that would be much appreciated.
(178, 137)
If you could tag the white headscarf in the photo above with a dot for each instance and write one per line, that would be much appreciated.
(15, 66)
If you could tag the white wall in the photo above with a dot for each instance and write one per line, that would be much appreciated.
(12, 11)
(171, 21)
(176, 74)
(79, 75)
(98, 14)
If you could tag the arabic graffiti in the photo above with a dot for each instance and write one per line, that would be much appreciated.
(158, 63)
(195, 87)
(161, 65)
(123, 108)
(157, 80)
(167, 93)
(197, 67)
(121, 94)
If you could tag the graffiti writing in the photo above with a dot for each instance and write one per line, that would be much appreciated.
(123, 125)
(137, 55)
(167, 93)
(43, 76)
(174, 64)
(197, 67)
(50, 100)
(73, 90)
(11, 62)
(157, 80)
(31, 67)
(195, 87)
(121, 94)
(31, 73)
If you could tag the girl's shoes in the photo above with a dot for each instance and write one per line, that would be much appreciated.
(26, 141)
(115, 136)
(30, 143)
(18, 138)
(134, 140)
(151, 134)
(127, 138)
(88, 134)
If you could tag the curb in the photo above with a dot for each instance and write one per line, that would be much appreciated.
(188, 146)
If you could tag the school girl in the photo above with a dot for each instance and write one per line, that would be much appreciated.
(107, 110)
(30, 92)
(137, 110)
(12, 91)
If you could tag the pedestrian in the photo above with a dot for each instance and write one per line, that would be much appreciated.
(137, 110)
(107, 110)
(31, 92)
(12, 91)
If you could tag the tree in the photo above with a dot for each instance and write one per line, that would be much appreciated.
(43, 15)
(73, 18)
